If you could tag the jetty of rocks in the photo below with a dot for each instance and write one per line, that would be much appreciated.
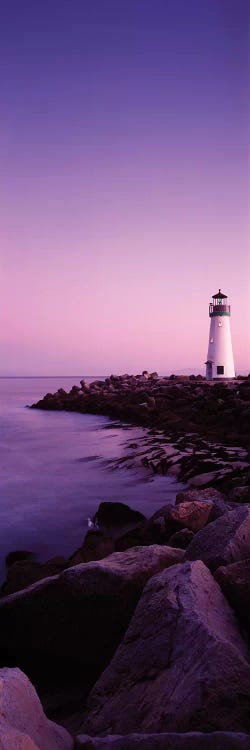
(140, 640)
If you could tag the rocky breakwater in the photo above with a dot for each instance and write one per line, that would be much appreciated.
(156, 637)
(199, 430)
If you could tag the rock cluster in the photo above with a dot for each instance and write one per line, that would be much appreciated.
(200, 429)
(220, 410)
(140, 640)
(148, 646)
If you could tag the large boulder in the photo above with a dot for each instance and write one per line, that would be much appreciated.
(23, 724)
(219, 501)
(182, 665)
(191, 515)
(67, 627)
(234, 581)
(223, 541)
(170, 741)
(208, 495)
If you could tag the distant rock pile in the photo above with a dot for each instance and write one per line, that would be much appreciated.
(220, 410)
(199, 430)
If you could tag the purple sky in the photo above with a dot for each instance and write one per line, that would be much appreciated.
(124, 183)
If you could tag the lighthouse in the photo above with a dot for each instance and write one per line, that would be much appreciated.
(220, 361)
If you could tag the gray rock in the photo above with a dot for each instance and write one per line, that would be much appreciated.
(182, 665)
(23, 724)
(166, 741)
(223, 541)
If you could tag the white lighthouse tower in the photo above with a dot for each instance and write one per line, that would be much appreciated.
(220, 361)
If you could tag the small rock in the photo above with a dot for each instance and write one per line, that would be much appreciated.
(181, 538)
(96, 546)
(17, 556)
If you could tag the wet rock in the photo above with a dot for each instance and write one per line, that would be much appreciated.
(147, 533)
(23, 724)
(96, 546)
(18, 556)
(223, 541)
(67, 627)
(234, 581)
(181, 538)
(116, 514)
(182, 665)
(25, 572)
(166, 741)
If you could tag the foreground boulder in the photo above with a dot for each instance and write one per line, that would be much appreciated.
(224, 541)
(182, 665)
(67, 627)
(173, 741)
(23, 724)
(234, 581)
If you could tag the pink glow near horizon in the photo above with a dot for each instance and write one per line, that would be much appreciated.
(121, 215)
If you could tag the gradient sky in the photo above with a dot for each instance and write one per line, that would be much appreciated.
(124, 183)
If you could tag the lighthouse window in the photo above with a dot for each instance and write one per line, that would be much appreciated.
(211, 340)
(220, 323)
(220, 370)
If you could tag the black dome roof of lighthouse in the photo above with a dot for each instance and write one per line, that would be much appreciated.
(220, 295)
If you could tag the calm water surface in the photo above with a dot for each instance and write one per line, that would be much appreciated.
(54, 473)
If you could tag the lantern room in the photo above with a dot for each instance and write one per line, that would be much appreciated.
(219, 305)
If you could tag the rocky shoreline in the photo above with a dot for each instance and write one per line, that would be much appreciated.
(140, 640)
(206, 425)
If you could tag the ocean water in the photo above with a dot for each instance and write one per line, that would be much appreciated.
(54, 471)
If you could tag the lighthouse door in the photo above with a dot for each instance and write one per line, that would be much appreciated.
(209, 373)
